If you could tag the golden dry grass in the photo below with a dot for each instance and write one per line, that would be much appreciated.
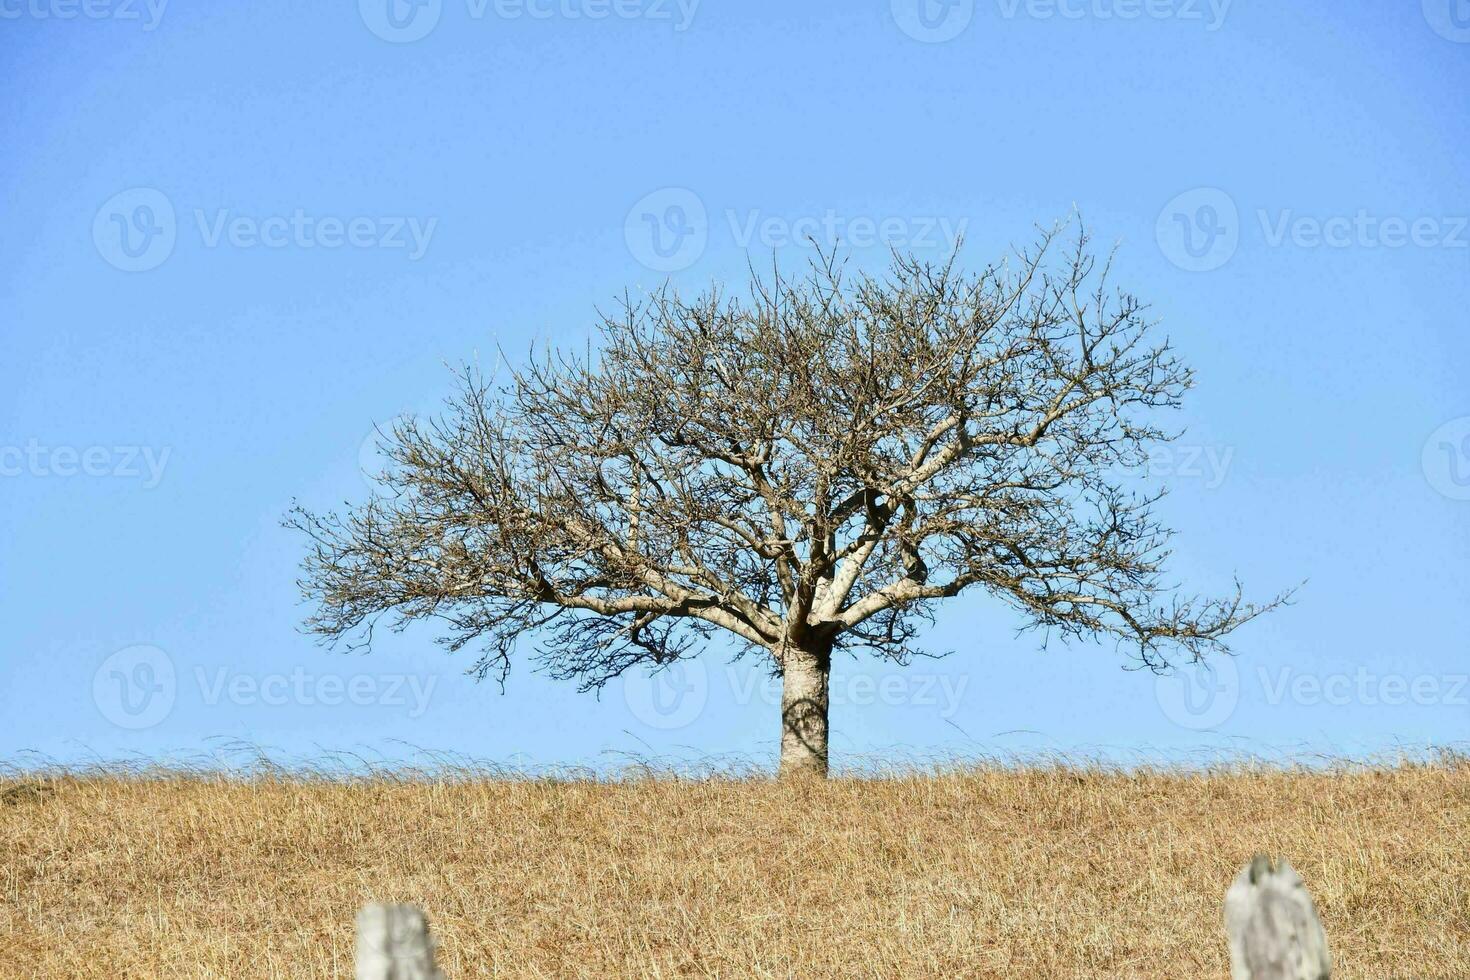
(1051, 872)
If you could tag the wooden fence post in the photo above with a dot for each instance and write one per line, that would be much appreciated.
(1273, 926)
(393, 943)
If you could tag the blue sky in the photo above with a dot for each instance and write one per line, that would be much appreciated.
(238, 235)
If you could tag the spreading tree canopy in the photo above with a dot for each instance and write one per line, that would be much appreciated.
(809, 468)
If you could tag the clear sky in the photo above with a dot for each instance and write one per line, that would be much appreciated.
(238, 235)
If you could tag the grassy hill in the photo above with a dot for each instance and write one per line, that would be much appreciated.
(1005, 872)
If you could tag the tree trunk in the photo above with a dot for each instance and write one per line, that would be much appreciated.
(804, 683)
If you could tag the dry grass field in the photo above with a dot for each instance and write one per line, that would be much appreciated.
(995, 872)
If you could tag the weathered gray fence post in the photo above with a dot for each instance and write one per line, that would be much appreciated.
(1273, 926)
(393, 944)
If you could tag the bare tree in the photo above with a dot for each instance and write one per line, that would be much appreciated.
(809, 469)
